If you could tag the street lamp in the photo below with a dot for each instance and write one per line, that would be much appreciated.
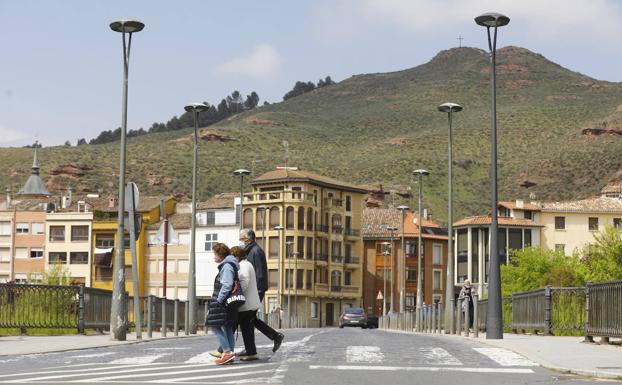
(195, 108)
(118, 310)
(385, 253)
(402, 282)
(280, 229)
(419, 174)
(296, 254)
(289, 249)
(241, 172)
(449, 108)
(392, 229)
(494, 315)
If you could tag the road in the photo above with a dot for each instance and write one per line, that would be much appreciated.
(308, 356)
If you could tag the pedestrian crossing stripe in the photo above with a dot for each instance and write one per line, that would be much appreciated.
(505, 357)
(423, 369)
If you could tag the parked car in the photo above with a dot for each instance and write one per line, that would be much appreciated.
(372, 321)
(353, 316)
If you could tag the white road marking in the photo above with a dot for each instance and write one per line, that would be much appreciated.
(167, 348)
(369, 354)
(184, 370)
(202, 358)
(166, 381)
(438, 356)
(505, 357)
(29, 372)
(422, 369)
(94, 355)
(140, 360)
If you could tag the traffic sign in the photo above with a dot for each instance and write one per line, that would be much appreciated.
(379, 296)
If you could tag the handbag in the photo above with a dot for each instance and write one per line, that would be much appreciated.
(236, 298)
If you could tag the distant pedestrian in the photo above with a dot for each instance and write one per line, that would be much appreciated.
(256, 256)
(247, 313)
(466, 294)
(220, 318)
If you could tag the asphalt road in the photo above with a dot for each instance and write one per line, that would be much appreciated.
(308, 356)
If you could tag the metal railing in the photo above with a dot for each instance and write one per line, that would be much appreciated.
(603, 310)
(321, 228)
(352, 260)
(352, 232)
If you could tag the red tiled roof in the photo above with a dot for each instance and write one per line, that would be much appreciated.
(590, 205)
(375, 218)
(513, 205)
(503, 221)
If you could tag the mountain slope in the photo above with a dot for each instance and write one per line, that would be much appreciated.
(377, 128)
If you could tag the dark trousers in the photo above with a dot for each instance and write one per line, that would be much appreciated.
(262, 326)
(246, 319)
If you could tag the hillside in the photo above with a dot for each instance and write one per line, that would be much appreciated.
(557, 128)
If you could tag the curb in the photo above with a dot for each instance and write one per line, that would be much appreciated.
(546, 365)
(107, 345)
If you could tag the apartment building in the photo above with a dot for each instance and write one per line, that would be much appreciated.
(310, 226)
(386, 264)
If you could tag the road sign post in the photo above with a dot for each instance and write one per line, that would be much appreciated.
(131, 203)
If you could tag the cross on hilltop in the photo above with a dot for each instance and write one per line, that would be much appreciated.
(459, 38)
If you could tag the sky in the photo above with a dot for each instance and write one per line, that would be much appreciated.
(61, 67)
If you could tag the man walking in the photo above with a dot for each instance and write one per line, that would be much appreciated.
(257, 257)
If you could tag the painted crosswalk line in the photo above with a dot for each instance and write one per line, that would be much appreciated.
(505, 357)
(369, 354)
(138, 360)
(437, 356)
(421, 369)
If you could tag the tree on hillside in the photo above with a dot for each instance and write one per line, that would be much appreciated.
(67, 143)
(81, 142)
(326, 82)
(299, 89)
(252, 101)
(235, 102)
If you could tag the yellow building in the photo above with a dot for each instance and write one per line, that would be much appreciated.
(315, 260)
(104, 238)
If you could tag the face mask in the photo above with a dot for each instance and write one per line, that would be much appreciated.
(242, 244)
(467, 286)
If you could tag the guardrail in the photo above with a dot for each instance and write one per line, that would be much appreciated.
(603, 310)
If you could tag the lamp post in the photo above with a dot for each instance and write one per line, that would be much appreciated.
(402, 268)
(280, 229)
(385, 253)
(419, 174)
(195, 108)
(118, 310)
(241, 172)
(296, 254)
(449, 108)
(392, 230)
(494, 315)
(289, 247)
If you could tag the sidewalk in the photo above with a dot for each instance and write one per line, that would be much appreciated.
(565, 354)
(14, 345)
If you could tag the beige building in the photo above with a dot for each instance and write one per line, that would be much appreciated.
(314, 262)
(571, 225)
(6, 245)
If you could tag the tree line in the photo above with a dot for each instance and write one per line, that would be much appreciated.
(302, 87)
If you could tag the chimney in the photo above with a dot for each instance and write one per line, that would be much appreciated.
(112, 202)
(424, 214)
(520, 203)
(8, 197)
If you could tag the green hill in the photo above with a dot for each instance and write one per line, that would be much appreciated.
(377, 128)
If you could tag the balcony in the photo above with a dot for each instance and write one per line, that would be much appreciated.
(335, 288)
(333, 203)
(336, 259)
(321, 228)
(337, 229)
(352, 260)
(267, 197)
(350, 290)
(321, 287)
(352, 232)
(321, 258)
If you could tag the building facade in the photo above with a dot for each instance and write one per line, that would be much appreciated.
(310, 227)
(386, 263)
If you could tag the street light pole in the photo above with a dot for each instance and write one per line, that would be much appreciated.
(420, 174)
(449, 108)
(392, 229)
(118, 310)
(402, 268)
(289, 246)
(195, 108)
(280, 229)
(241, 172)
(494, 314)
(385, 253)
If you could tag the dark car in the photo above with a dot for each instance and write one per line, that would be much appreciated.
(353, 316)
(372, 321)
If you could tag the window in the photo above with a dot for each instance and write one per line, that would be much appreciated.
(560, 223)
(5, 254)
(57, 233)
(299, 277)
(308, 280)
(300, 247)
(347, 278)
(36, 253)
(21, 228)
(437, 254)
(348, 203)
(210, 216)
(527, 238)
(103, 273)
(411, 274)
(79, 233)
(210, 241)
(21, 278)
(273, 243)
(79, 257)
(275, 217)
(248, 218)
(310, 219)
(5, 228)
(237, 214)
(515, 239)
(616, 222)
(57, 257)
(528, 214)
(260, 219)
(273, 278)
(314, 307)
(437, 280)
(104, 240)
(38, 228)
(289, 278)
(289, 218)
(21, 252)
(309, 253)
(411, 249)
(301, 218)
(593, 224)
(463, 254)
(560, 247)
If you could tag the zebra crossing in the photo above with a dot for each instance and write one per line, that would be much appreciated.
(169, 366)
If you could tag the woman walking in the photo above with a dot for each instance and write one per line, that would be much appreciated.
(220, 318)
(248, 311)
